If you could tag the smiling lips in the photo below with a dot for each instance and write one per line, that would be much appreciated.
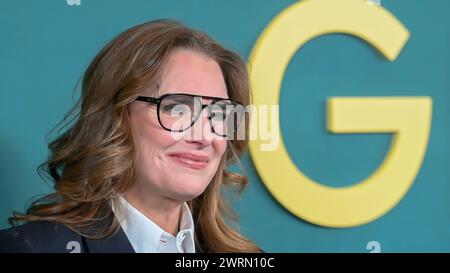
(190, 160)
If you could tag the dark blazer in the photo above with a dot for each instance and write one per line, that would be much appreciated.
(50, 237)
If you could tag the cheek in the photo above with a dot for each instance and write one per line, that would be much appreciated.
(150, 139)
(220, 148)
(152, 144)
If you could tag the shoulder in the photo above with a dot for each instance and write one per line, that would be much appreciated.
(40, 237)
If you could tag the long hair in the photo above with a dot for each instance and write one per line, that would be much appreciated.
(94, 159)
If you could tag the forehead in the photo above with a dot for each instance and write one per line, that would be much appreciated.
(191, 72)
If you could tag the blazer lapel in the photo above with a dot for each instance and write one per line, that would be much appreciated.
(117, 243)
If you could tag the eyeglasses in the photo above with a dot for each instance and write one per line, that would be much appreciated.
(177, 112)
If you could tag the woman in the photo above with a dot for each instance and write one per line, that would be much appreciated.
(142, 168)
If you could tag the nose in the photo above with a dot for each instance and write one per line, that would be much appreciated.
(201, 132)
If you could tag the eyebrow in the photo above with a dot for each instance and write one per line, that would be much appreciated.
(206, 97)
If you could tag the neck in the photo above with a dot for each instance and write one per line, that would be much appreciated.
(161, 210)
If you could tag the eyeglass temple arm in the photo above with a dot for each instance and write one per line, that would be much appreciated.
(148, 99)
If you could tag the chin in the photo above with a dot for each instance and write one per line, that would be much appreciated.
(189, 191)
(186, 196)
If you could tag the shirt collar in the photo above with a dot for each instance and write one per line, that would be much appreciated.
(146, 236)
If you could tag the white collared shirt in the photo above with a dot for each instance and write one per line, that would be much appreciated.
(147, 237)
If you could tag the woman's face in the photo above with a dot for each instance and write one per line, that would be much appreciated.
(165, 165)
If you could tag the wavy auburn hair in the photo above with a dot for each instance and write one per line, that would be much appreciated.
(94, 159)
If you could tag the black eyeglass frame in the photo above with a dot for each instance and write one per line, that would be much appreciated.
(157, 101)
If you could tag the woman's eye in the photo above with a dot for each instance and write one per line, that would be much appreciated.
(173, 107)
(169, 107)
(176, 109)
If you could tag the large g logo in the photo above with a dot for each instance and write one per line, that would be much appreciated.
(407, 118)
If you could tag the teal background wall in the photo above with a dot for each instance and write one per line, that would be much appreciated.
(46, 45)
